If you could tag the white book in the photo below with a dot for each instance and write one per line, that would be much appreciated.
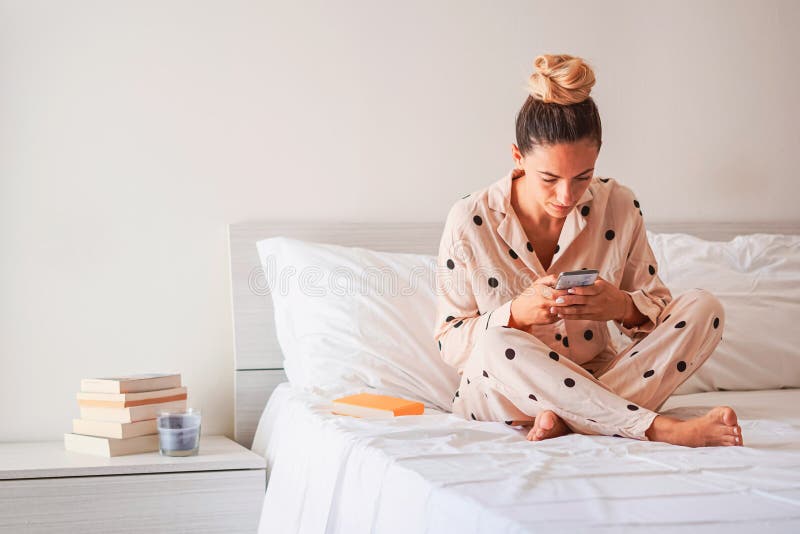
(134, 413)
(111, 429)
(131, 384)
(110, 446)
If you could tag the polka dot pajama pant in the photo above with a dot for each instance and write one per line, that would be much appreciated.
(512, 376)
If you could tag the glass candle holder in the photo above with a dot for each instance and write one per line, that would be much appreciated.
(179, 433)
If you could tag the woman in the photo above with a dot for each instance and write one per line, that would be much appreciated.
(529, 354)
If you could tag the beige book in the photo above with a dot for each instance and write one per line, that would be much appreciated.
(131, 384)
(125, 400)
(132, 414)
(110, 446)
(110, 429)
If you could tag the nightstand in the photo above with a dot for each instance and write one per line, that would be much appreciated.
(44, 488)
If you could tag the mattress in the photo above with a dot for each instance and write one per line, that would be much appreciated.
(439, 473)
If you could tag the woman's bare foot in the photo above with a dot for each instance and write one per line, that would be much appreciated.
(547, 425)
(718, 427)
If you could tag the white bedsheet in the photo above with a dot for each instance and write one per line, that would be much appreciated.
(438, 473)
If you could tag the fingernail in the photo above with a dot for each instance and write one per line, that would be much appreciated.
(552, 310)
(560, 300)
(570, 290)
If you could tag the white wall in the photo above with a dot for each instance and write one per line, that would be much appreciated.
(132, 132)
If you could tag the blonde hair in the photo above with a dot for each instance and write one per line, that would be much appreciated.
(561, 79)
(558, 108)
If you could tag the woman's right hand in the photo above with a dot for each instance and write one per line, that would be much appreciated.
(532, 306)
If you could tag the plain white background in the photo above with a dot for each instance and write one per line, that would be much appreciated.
(133, 132)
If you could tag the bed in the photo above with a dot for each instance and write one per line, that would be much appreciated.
(439, 473)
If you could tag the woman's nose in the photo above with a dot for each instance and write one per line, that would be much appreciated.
(566, 196)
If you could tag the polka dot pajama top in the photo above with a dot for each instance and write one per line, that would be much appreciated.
(569, 366)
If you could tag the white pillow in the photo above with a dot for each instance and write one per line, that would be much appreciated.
(347, 318)
(757, 279)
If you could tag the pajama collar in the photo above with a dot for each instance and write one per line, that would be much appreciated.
(511, 231)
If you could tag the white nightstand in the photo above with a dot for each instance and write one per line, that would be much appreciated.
(44, 488)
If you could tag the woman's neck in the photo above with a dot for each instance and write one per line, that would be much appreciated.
(530, 213)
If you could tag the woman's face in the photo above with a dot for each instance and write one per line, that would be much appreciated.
(557, 175)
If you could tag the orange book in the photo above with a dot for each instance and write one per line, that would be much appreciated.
(126, 400)
(369, 405)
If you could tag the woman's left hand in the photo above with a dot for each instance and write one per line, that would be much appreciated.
(601, 301)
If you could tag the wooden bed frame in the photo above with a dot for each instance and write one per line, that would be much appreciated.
(258, 362)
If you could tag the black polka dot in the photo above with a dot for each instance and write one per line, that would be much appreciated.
(585, 211)
(633, 407)
(456, 393)
(465, 196)
(558, 247)
(459, 323)
(592, 420)
(610, 235)
(636, 203)
(529, 246)
(532, 396)
(640, 212)
(449, 318)
(565, 341)
(668, 316)
(681, 366)
(486, 374)
(450, 264)
(569, 382)
(617, 436)
(473, 416)
(716, 322)
(634, 353)
(493, 282)
(554, 355)
(651, 269)
(558, 337)
(440, 345)
(477, 220)
(467, 380)
(512, 253)
(604, 180)
(680, 324)
(649, 373)
(509, 423)
(588, 335)
(510, 354)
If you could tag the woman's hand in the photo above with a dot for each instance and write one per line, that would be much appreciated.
(533, 305)
(601, 301)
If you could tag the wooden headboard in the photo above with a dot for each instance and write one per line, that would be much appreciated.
(258, 361)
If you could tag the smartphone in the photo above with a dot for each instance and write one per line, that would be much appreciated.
(570, 279)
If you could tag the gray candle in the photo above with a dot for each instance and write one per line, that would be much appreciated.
(179, 433)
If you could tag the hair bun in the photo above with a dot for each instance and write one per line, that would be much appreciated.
(561, 79)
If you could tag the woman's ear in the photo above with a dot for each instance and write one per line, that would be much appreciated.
(516, 155)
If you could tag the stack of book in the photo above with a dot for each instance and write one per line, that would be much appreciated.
(118, 415)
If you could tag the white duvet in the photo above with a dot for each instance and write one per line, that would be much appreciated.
(438, 473)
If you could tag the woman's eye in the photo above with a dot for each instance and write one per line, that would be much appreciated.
(582, 179)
